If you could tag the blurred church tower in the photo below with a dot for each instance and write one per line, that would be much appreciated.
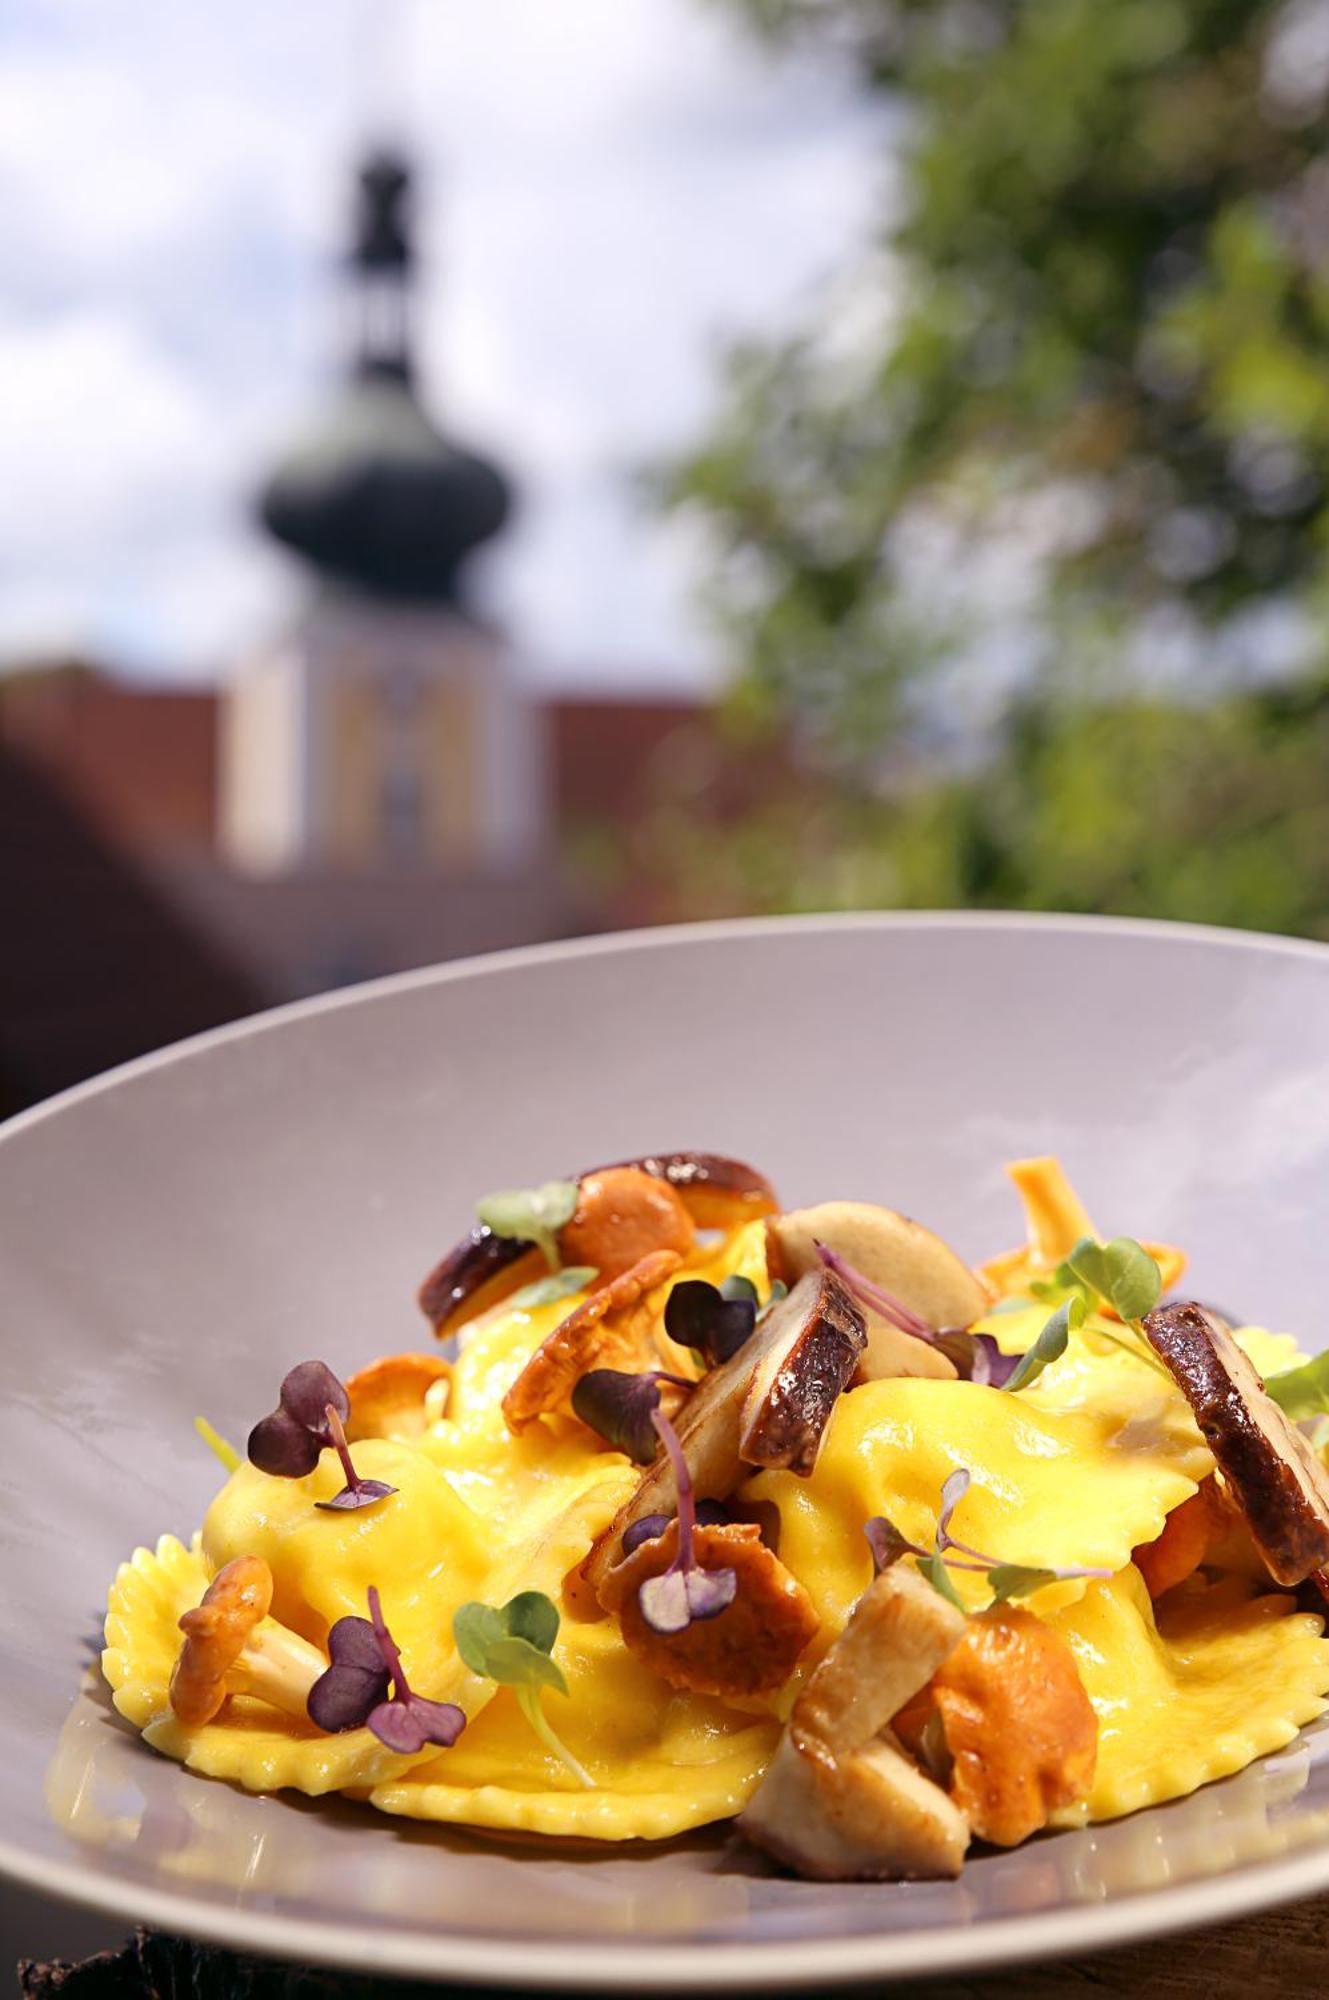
(388, 728)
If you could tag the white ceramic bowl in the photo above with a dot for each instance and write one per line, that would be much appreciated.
(175, 1234)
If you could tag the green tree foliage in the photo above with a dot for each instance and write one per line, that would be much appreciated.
(1090, 348)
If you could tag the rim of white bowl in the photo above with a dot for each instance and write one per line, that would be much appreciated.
(655, 937)
(652, 1964)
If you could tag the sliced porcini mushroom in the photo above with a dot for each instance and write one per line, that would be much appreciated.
(896, 1254)
(802, 1355)
(1272, 1473)
(749, 1648)
(397, 1396)
(477, 1273)
(623, 1215)
(841, 1801)
(1021, 1733)
(231, 1646)
(718, 1193)
(814, 1340)
(616, 1327)
(624, 1211)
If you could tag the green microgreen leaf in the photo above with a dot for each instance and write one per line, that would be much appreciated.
(534, 1617)
(511, 1644)
(531, 1215)
(214, 1440)
(1122, 1272)
(558, 1285)
(1017, 1580)
(1051, 1343)
(1302, 1391)
(739, 1287)
(517, 1663)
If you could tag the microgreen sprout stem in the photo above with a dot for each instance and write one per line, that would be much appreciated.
(512, 1645)
(871, 1294)
(215, 1442)
(685, 1592)
(948, 1553)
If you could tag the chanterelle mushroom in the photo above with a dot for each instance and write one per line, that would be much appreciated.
(232, 1647)
(396, 1396)
(768, 1405)
(1276, 1479)
(841, 1801)
(1020, 1730)
(895, 1253)
(623, 1215)
(616, 1327)
(623, 1212)
(753, 1645)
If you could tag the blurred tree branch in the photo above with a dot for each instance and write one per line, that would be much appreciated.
(1080, 385)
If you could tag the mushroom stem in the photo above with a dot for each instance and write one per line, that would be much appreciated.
(277, 1666)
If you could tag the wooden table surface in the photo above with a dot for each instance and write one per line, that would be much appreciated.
(1279, 1952)
(1283, 1952)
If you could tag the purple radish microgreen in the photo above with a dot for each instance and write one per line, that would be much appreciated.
(356, 1681)
(1006, 1580)
(310, 1419)
(710, 1514)
(882, 1302)
(711, 1319)
(531, 1215)
(512, 1645)
(356, 1492)
(685, 1592)
(887, 1543)
(353, 1692)
(216, 1443)
(622, 1406)
(977, 1357)
(549, 1290)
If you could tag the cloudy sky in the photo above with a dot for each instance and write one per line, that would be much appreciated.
(614, 188)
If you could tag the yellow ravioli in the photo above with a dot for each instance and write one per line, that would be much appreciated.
(1223, 1677)
(251, 1744)
(423, 1547)
(1050, 1488)
(1095, 1371)
(662, 1762)
(1077, 1470)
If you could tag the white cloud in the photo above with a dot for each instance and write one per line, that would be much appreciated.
(611, 186)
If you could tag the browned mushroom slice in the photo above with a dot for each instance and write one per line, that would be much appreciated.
(776, 1392)
(841, 1801)
(477, 1273)
(813, 1342)
(613, 1328)
(718, 1193)
(1272, 1473)
(895, 1253)
(625, 1211)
